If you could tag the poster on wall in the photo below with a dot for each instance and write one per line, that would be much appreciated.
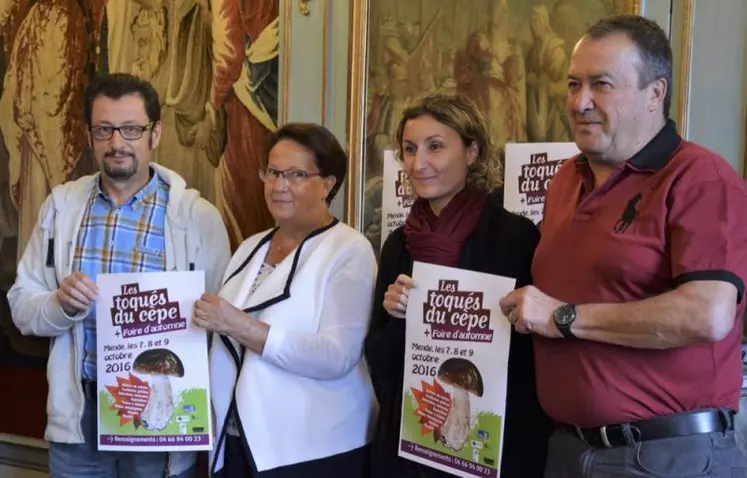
(456, 361)
(152, 363)
(397, 195)
(529, 169)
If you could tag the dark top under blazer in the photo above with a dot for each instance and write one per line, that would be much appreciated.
(503, 244)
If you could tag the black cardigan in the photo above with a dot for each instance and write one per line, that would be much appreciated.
(503, 244)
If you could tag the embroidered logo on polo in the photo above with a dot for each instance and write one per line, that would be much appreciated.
(628, 215)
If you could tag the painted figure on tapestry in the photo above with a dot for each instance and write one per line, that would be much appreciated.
(167, 42)
(48, 53)
(491, 73)
(44, 133)
(8, 212)
(547, 70)
(245, 85)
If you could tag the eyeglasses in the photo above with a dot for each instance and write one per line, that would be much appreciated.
(293, 176)
(129, 132)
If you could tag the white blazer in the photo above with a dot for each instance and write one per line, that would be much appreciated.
(309, 394)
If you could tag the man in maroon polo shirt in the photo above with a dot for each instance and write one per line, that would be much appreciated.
(639, 277)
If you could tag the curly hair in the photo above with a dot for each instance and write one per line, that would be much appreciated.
(460, 114)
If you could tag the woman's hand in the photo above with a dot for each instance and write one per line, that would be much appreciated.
(396, 296)
(217, 315)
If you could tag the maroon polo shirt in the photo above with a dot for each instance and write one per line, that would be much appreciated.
(673, 213)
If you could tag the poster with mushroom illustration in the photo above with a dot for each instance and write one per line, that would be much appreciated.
(529, 169)
(153, 392)
(397, 195)
(456, 361)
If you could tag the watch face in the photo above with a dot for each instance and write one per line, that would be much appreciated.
(564, 315)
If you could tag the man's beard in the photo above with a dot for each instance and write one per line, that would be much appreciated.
(120, 174)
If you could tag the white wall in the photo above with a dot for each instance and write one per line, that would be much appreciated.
(316, 69)
(718, 92)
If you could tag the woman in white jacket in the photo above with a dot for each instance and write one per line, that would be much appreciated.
(291, 394)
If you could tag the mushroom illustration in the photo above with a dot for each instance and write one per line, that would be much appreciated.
(159, 365)
(464, 379)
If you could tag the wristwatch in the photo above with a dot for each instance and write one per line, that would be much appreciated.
(564, 316)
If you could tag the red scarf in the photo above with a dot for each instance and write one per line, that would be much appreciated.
(439, 239)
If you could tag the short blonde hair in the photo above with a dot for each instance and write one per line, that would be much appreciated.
(460, 114)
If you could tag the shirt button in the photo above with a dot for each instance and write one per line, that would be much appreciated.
(111, 243)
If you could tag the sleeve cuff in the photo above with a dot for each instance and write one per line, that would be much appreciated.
(57, 316)
(273, 344)
(714, 275)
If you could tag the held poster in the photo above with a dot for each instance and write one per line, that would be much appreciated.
(456, 360)
(397, 196)
(152, 363)
(529, 169)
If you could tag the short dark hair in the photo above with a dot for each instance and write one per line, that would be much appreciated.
(117, 85)
(329, 155)
(653, 46)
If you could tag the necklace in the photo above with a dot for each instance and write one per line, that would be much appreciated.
(283, 248)
(290, 245)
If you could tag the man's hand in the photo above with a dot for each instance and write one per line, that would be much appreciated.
(530, 310)
(76, 293)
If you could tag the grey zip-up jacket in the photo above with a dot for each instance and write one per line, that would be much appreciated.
(196, 238)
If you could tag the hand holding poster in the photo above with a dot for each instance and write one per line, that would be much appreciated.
(397, 196)
(456, 361)
(529, 169)
(152, 363)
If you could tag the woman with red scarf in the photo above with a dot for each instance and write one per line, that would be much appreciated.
(457, 220)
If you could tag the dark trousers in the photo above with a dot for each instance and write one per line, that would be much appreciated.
(238, 463)
(713, 455)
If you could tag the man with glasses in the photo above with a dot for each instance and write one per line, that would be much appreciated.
(133, 216)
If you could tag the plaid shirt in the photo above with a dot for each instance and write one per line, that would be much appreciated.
(116, 239)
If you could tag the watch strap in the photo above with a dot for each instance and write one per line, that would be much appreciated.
(564, 326)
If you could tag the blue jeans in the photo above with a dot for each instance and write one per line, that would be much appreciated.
(84, 460)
